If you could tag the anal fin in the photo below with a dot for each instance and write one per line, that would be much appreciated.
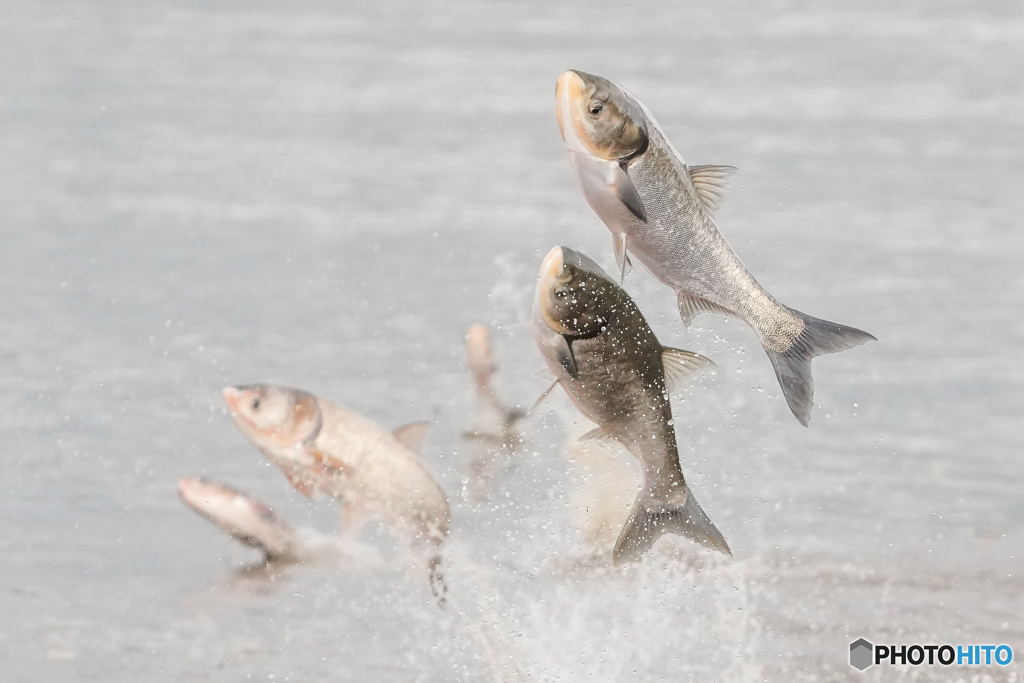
(690, 306)
(599, 435)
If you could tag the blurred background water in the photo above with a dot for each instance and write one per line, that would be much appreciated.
(326, 195)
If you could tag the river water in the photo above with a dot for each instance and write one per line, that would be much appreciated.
(326, 196)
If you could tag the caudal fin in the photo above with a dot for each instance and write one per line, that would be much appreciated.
(438, 586)
(646, 525)
(793, 366)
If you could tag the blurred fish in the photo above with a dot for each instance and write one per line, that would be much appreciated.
(495, 432)
(322, 447)
(661, 210)
(609, 362)
(243, 518)
(253, 523)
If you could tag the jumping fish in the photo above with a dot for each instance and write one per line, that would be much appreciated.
(608, 361)
(495, 433)
(662, 211)
(322, 447)
(243, 518)
(495, 421)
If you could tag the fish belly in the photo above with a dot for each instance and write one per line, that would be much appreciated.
(614, 391)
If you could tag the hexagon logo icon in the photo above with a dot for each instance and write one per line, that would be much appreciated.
(861, 654)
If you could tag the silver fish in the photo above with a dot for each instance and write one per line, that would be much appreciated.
(495, 436)
(662, 211)
(374, 473)
(606, 357)
(496, 423)
(243, 518)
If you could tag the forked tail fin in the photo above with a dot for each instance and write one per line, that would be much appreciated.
(793, 366)
(646, 525)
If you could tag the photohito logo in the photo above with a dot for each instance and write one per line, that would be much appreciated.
(863, 654)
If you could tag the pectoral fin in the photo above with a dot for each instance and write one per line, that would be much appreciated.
(300, 484)
(681, 365)
(712, 184)
(412, 435)
(328, 464)
(624, 188)
(563, 350)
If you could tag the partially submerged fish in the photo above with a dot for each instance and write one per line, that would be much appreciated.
(245, 519)
(662, 211)
(495, 433)
(495, 421)
(322, 447)
(608, 360)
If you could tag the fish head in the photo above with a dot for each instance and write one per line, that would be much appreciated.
(244, 518)
(599, 117)
(478, 350)
(206, 498)
(571, 294)
(273, 417)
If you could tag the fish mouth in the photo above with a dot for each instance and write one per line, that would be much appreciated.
(551, 266)
(550, 277)
(569, 92)
(232, 396)
(187, 488)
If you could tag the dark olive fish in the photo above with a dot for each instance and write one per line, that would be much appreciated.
(661, 210)
(608, 360)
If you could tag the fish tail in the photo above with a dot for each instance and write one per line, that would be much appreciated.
(438, 586)
(646, 524)
(793, 366)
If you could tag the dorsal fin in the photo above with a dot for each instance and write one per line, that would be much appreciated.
(712, 184)
(681, 365)
(412, 435)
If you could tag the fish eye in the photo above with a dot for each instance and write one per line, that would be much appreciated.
(255, 404)
(596, 107)
(560, 294)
